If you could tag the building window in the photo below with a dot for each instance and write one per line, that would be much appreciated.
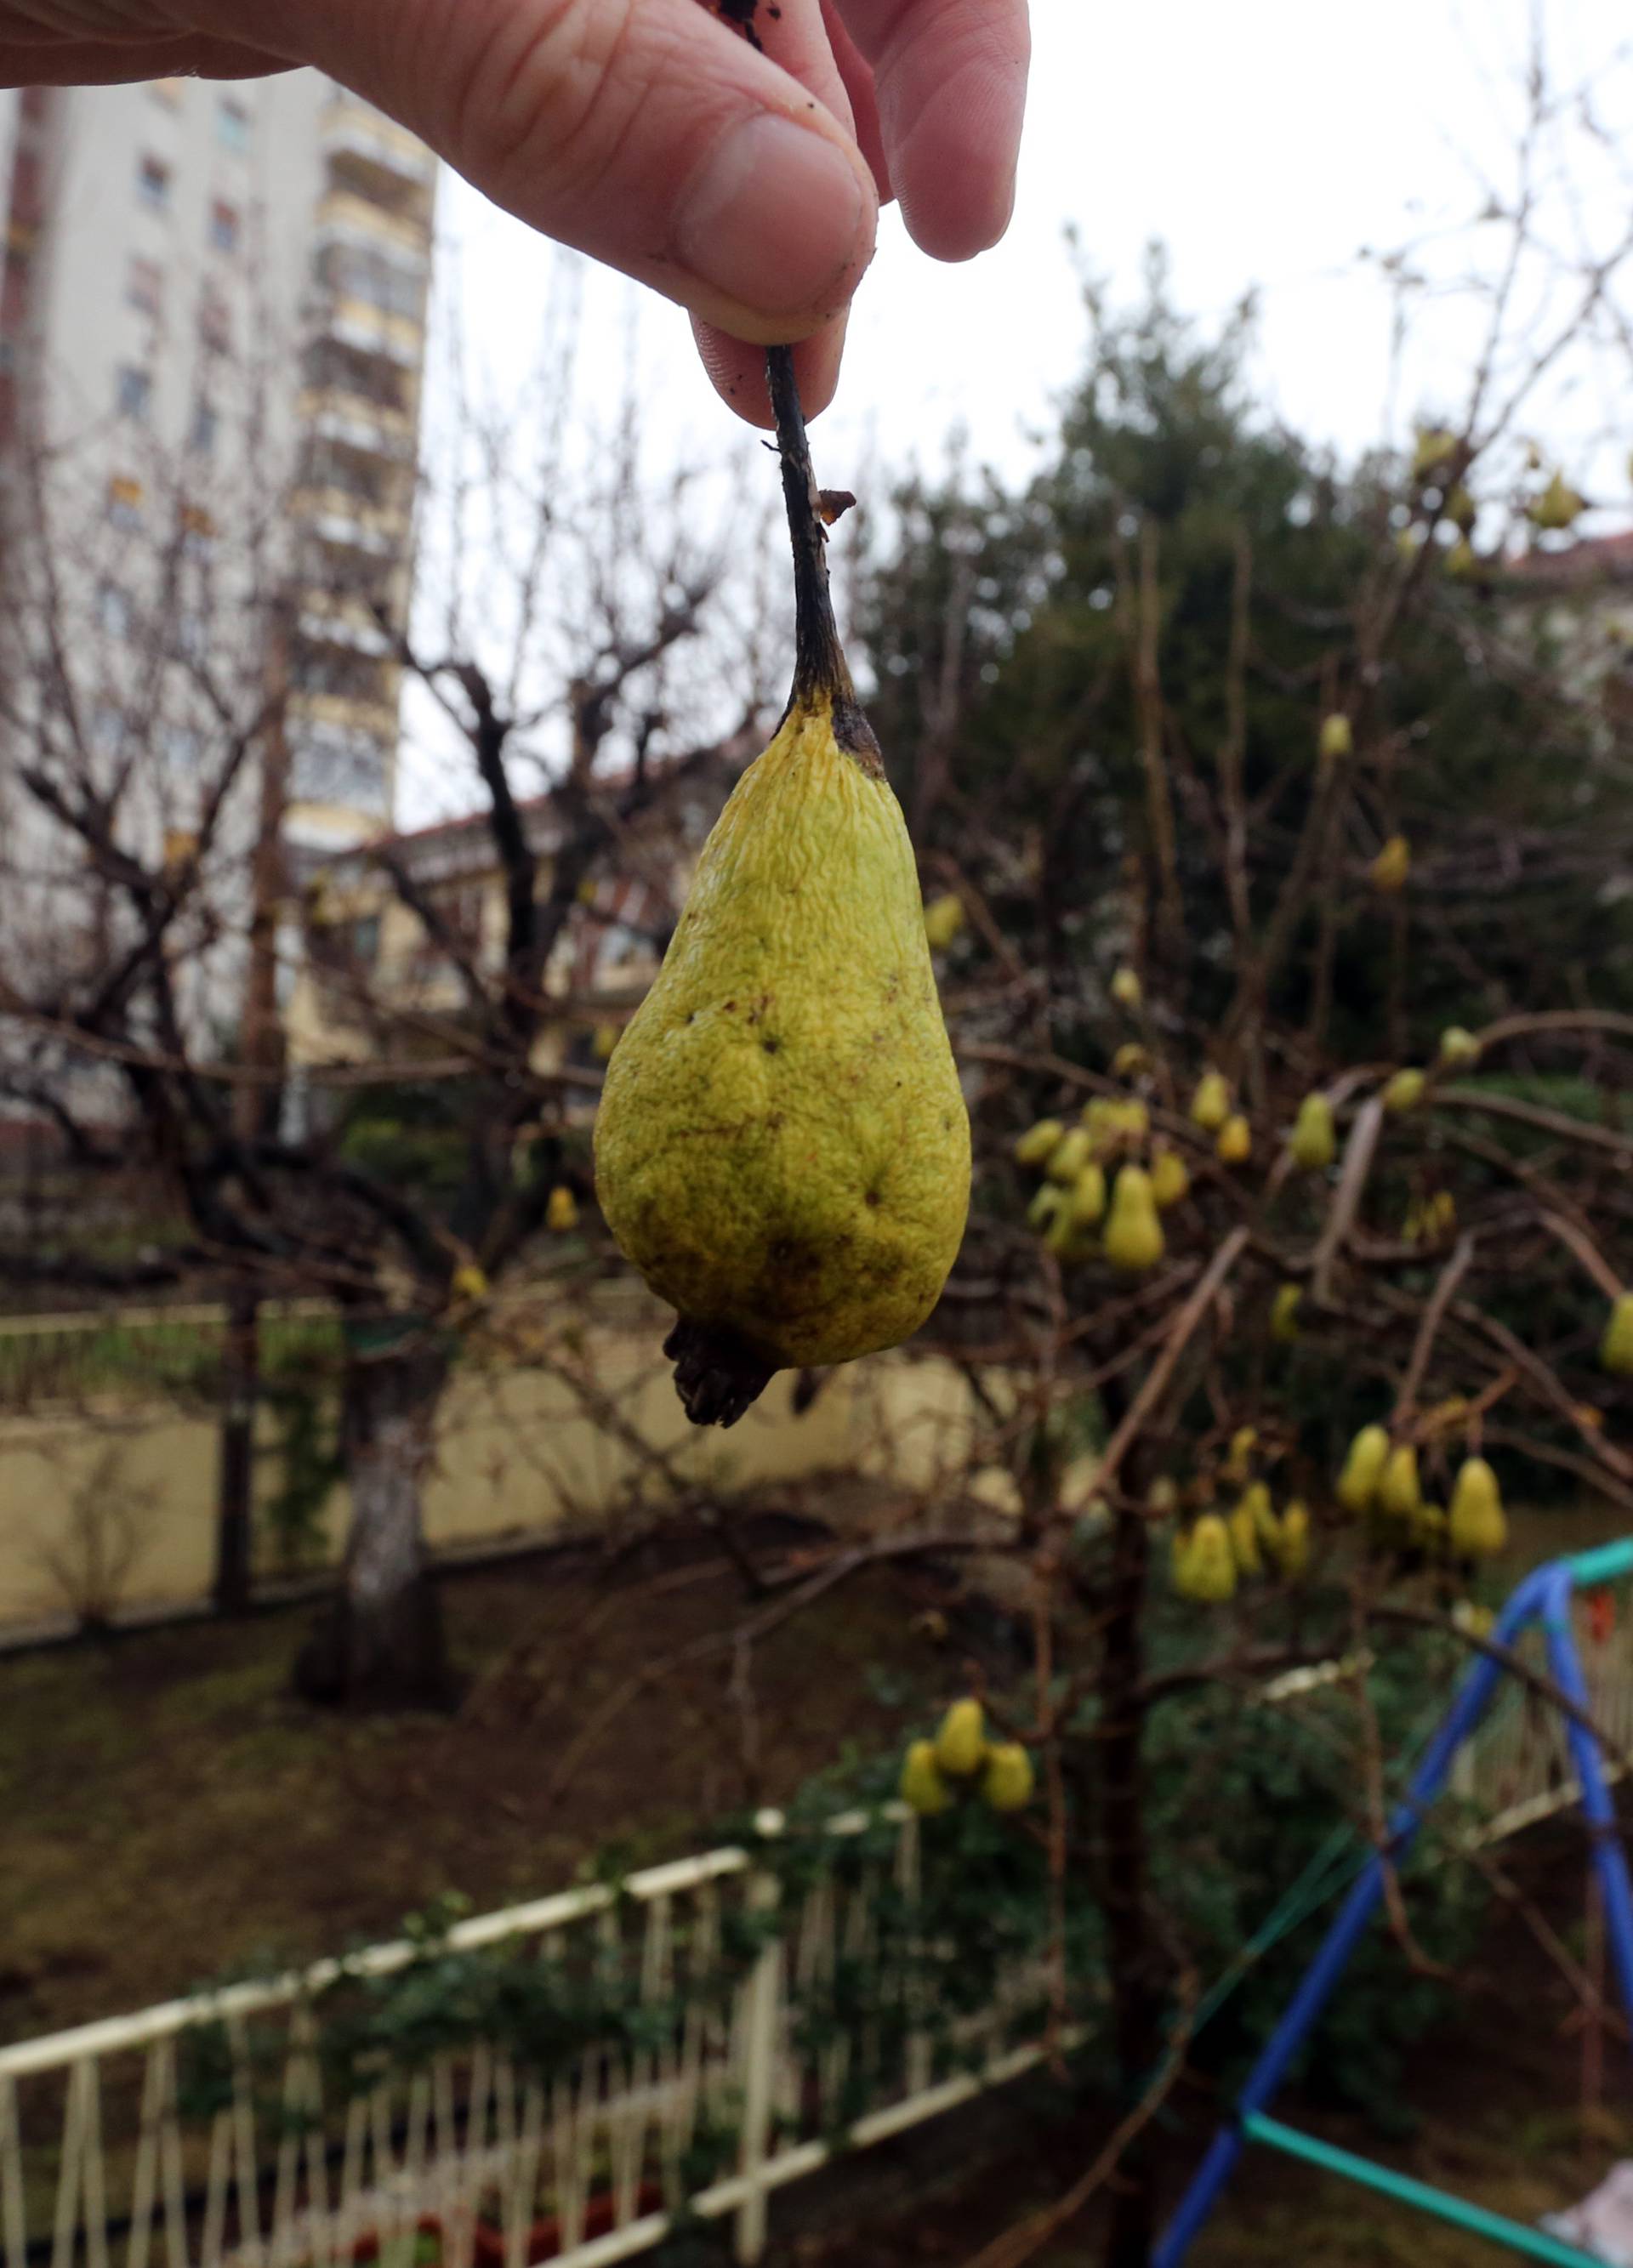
(215, 324)
(223, 227)
(144, 286)
(232, 125)
(124, 501)
(114, 612)
(154, 184)
(135, 392)
(206, 426)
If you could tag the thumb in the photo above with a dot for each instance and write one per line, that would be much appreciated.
(642, 132)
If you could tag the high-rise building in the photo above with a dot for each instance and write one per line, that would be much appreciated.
(212, 309)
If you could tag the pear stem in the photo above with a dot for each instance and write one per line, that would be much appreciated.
(820, 670)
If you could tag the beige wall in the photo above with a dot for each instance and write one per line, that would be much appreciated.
(123, 1501)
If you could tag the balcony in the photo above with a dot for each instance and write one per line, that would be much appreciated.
(347, 523)
(369, 330)
(372, 152)
(352, 421)
(345, 624)
(337, 717)
(362, 226)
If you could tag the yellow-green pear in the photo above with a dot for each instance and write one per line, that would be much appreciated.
(1363, 1469)
(1008, 1781)
(1070, 1154)
(1235, 1145)
(603, 1041)
(1292, 1549)
(1044, 1206)
(1435, 449)
(1206, 1569)
(561, 1209)
(1404, 1091)
(1390, 870)
(1247, 1527)
(961, 1742)
(1238, 1457)
(1460, 508)
(1038, 1141)
(1085, 1200)
(1558, 506)
(1314, 1143)
(782, 1147)
(1210, 1105)
(1171, 1183)
(1285, 1314)
(1131, 1059)
(1127, 990)
(1478, 1528)
(1400, 1493)
(1458, 1048)
(1134, 1234)
(1615, 1349)
(921, 1787)
(944, 918)
(1337, 737)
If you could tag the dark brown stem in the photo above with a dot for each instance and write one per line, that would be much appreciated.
(820, 671)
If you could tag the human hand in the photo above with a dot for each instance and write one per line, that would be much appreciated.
(742, 182)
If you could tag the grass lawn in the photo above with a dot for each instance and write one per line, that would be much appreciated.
(172, 1812)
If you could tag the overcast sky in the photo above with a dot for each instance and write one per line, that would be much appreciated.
(1265, 146)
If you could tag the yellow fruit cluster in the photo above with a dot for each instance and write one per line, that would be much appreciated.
(1219, 1550)
(1380, 1482)
(1068, 1211)
(1000, 1771)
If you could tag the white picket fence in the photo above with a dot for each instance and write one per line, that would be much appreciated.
(109, 2158)
(103, 2159)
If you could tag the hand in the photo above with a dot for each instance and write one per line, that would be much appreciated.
(742, 182)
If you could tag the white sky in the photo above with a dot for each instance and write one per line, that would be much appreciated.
(1265, 145)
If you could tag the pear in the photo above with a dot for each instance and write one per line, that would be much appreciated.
(1337, 737)
(1131, 1059)
(1085, 1200)
(1460, 508)
(1007, 1783)
(1400, 1493)
(1363, 1469)
(1205, 1570)
(1436, 447)
(1478, 1528)
(944, 918)
(1210, 1105)
(1038, 1141)
(1044, 1206)
(1127, 990)
(561, 1209)
(604, 1041)
(1558, 505)
(470, 1282)
(1134, 1234)
(1285, 1314)
(1292, 1548)
(921, 1787)
(1314, 1144)
(1070, 1154)
(1239, 1456)
(1248, 1520)
(1235, 1145)
(1404, 1091)
(1615, 1349)
(1389, 871)
(1458, 1048)
(961, 1742)
(782, 1147)
(1171, 1183)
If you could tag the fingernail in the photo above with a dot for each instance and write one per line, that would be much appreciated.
(772, 220)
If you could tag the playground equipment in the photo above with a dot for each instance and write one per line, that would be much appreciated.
(1543, 1601)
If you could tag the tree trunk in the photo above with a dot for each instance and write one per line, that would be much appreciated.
(1135, 1962)
(383, 1646)
(235, 1485)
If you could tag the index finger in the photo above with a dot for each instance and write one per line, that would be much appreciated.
(949, 78)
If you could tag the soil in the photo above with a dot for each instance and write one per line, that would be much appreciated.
(174, 1814)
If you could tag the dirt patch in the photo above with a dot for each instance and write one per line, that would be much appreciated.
(173, 1813)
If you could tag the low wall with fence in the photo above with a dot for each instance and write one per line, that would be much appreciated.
(110, 1445)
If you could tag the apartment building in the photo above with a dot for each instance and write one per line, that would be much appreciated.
(212, 315)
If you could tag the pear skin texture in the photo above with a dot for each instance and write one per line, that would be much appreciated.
(782, 1146)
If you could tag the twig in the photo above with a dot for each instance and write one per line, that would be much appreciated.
(1451, 1276)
